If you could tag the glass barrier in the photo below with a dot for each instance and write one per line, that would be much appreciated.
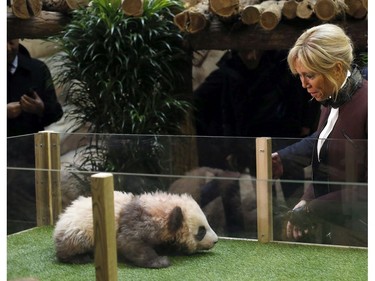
(220, 174)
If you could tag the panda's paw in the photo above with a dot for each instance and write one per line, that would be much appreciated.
(159, 262)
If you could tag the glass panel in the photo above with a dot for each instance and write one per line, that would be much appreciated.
(220, 174)
(20, 183)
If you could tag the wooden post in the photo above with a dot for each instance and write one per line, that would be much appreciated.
(47, 177)
(105, 252)
(264, 190)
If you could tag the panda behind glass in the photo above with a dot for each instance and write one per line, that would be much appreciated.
(148, 226)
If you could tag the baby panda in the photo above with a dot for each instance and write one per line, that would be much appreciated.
(148, 226)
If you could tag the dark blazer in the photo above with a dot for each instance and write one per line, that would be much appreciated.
(32, 73)
(340, 175)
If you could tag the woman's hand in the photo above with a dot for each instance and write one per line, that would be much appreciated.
(298, 224)
(277, 166)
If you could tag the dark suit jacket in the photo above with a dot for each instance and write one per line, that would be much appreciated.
(32, 73)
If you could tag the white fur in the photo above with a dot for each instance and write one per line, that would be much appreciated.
(146, 224)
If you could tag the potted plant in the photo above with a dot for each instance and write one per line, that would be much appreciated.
(122, 75)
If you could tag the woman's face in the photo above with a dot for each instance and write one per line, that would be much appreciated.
(315, 83)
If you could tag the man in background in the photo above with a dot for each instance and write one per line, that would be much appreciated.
(252, 94)
(32, 105)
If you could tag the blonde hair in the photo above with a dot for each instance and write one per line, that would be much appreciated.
(320, 48)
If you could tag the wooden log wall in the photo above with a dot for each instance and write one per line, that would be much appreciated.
(222, 37)
(271, 24)
(270, 12)
(214, 24)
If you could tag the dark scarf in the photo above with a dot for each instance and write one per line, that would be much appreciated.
(353, 82)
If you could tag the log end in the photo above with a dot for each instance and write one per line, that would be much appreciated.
(250, 15)
(197, 22)
(325, 10)
(181, 20)
(304, 10)
(132, 7)
(289, 10)
(269, 20)
(26, 9)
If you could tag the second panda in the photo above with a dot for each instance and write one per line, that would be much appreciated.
(146, 225)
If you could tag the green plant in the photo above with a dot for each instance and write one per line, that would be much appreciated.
(122, 75)
(122, 71)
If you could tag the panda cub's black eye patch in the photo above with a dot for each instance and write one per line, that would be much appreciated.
(201, 233)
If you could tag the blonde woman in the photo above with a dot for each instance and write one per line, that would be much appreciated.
(322, 58)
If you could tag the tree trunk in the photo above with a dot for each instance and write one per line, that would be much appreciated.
(271, 16)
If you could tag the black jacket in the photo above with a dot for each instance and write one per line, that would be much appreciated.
(32, 73)
(266, 101)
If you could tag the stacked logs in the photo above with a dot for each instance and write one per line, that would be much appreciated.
(196, 15)
(27, 9)
(267, 13)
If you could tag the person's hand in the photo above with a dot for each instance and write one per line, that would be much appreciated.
(299, 222)
(32, 104)
(277, 166)
(13, 109)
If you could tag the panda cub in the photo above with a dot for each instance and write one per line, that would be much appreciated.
(147, 226)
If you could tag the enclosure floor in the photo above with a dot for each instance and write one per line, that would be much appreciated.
(31, 254)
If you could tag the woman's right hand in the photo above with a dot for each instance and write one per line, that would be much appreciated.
(293, 231)
(277, 166)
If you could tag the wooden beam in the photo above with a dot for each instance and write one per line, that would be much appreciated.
(221, 37)
(42, 26)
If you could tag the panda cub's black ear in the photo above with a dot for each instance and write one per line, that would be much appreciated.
(175, 219)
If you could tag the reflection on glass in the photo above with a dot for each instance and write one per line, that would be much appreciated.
(226, 192)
